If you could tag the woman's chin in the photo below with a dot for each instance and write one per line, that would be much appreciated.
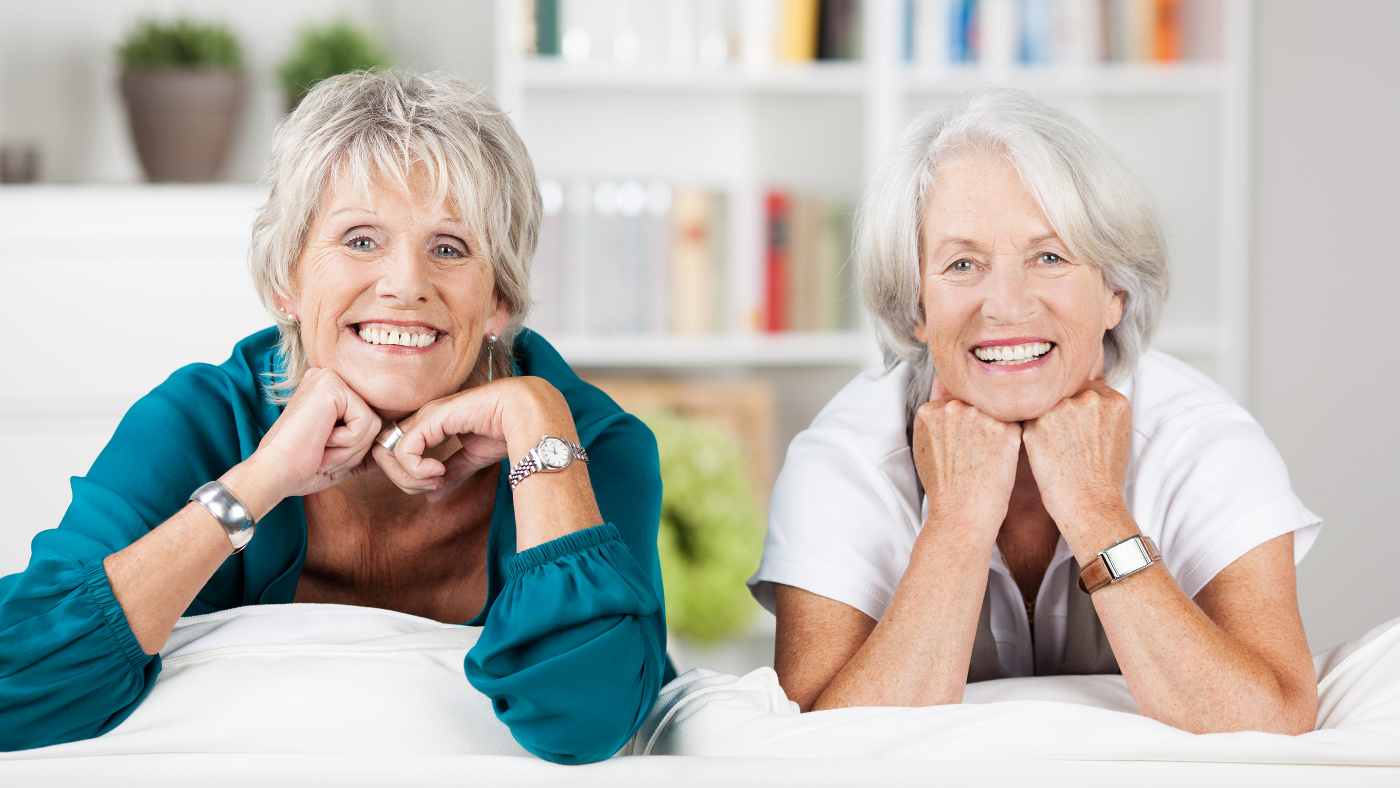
(393, 404)
(1009, 412)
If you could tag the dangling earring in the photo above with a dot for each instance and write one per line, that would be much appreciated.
(490, 358)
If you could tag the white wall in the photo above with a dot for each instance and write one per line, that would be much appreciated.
(1326, 275)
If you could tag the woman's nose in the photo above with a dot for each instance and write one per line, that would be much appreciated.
(404, 278)
(1010, 298)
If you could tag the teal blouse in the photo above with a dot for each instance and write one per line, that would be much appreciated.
(573, 647)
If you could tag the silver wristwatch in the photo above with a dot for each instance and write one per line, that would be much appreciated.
(229, 511)
(549, 456)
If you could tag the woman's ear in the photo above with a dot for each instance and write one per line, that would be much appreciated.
(1115, 311)
(921, 332)
(499, 318)
(286, 305)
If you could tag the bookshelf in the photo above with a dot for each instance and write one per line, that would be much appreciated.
(745, 125)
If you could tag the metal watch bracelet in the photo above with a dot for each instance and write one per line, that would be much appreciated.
(229, 511)
(544, 457)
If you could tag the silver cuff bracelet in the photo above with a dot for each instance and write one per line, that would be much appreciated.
(229, 511)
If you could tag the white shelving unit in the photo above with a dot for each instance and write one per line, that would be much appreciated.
(1184, 125)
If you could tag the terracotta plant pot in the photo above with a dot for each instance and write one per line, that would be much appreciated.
(182, 120)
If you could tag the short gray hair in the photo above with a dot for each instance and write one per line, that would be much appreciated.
(370, 124)
(1091, 197)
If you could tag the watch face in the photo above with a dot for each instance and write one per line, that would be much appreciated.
(555, 453)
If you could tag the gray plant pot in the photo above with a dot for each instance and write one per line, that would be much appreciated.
(182, 120)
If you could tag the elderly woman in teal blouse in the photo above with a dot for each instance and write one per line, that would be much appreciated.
(396, 441)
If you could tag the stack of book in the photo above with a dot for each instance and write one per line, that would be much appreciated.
(807, 282)
(627, 257)
(688, 32)
(1042, 32)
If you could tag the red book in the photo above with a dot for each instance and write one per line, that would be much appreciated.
(776, 263)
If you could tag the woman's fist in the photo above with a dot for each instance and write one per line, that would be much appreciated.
(966, 461)
(1079, 453)
(321, 438)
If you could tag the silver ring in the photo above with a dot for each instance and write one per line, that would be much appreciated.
(390, 437)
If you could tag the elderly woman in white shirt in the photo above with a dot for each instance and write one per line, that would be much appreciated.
(993, 502)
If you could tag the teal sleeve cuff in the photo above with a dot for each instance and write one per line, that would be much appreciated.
(99, 592)
(568, 544)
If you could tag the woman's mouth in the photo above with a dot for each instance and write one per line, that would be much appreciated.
(1012, 355)
(389, 334)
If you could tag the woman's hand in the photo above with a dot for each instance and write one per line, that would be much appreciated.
(450, 439)
(966, 461)
(1079, 454)
(321, 438)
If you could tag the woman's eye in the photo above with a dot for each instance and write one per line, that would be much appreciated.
(447, 250)
(362, 244)
(961, 266)
(1050, 258)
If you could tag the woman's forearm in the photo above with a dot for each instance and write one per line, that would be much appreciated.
(157, 577)
(1184, 669)
(918, 653)
(548, 505)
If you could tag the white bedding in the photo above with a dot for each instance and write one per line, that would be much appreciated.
(321, 695)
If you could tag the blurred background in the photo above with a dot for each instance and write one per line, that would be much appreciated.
(700, 161)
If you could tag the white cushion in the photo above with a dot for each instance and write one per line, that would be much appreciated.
(309, 679)
(1083, 718)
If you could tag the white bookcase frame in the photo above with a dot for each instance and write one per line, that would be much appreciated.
(884, 86)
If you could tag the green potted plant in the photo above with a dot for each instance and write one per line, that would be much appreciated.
(183, 84)
(711, 532)
(326, 51)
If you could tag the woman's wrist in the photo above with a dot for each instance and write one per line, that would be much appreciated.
(256, 485)
(963, 526)
(1096, 528)
(535, 410)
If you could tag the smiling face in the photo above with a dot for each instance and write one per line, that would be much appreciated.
(394, 294)
(1014, 323)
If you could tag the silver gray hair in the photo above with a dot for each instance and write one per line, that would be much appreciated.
(396, 126)
(1088, 193)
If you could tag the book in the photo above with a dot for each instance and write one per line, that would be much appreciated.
(838, 29)
(693, 217)
(603, 274)
(932, 38)
(1077, 29)
(799, 30)
(998, 34)
(627, 257)
(712, 25)
(1037, 31)
(578, 209)
(545, 17)
(776, 262)
(963, 33)
(1166, 32)
(633, 252)
(546, 268)
(802, 235)
(656, 290)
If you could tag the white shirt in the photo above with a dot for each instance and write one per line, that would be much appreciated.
(1203, 481)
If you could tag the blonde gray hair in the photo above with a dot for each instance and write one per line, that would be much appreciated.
(1090, 196)
(397, 126)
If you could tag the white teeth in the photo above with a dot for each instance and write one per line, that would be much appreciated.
(1009, 355)
(402, 338)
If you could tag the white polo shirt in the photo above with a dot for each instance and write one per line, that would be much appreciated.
(1203, 481)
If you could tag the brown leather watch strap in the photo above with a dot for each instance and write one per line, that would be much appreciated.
(1097, 575)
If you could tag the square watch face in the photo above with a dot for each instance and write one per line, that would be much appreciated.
(1126, 558)
(555, 453)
